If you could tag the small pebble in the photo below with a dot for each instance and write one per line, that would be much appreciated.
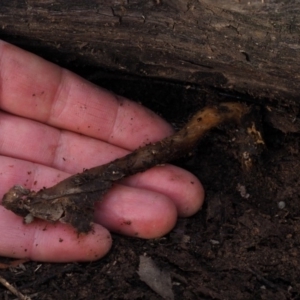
(281, 204)
(263, 287)
(214, 242)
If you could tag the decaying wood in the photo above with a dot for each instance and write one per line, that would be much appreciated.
(251, 47)
(72, 200)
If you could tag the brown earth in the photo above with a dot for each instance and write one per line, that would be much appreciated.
(241, 245)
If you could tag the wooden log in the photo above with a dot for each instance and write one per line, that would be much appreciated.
(249, 47)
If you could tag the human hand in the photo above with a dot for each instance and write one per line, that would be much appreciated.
(54, 124)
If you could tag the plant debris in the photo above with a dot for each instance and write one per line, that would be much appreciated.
(158, 280)
(12, 289)
(72, 200)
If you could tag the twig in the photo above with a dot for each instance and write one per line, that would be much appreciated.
(13, 289)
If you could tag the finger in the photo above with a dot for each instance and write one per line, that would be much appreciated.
(41, 241)
(30, 175)
(181, 186)
(70, 152)
(151, 214)
(34, 88)
(177, 184)
(67, 151)
(136, 212)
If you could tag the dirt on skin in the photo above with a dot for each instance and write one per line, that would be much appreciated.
(243, 244)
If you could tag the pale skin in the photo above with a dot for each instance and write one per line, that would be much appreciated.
(53, 124)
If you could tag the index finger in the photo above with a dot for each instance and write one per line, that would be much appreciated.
(34, 88)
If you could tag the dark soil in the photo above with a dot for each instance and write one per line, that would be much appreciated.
(241, 245)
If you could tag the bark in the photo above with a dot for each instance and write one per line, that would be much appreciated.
(249, 47)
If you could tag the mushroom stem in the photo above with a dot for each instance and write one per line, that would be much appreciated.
(72, 200)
